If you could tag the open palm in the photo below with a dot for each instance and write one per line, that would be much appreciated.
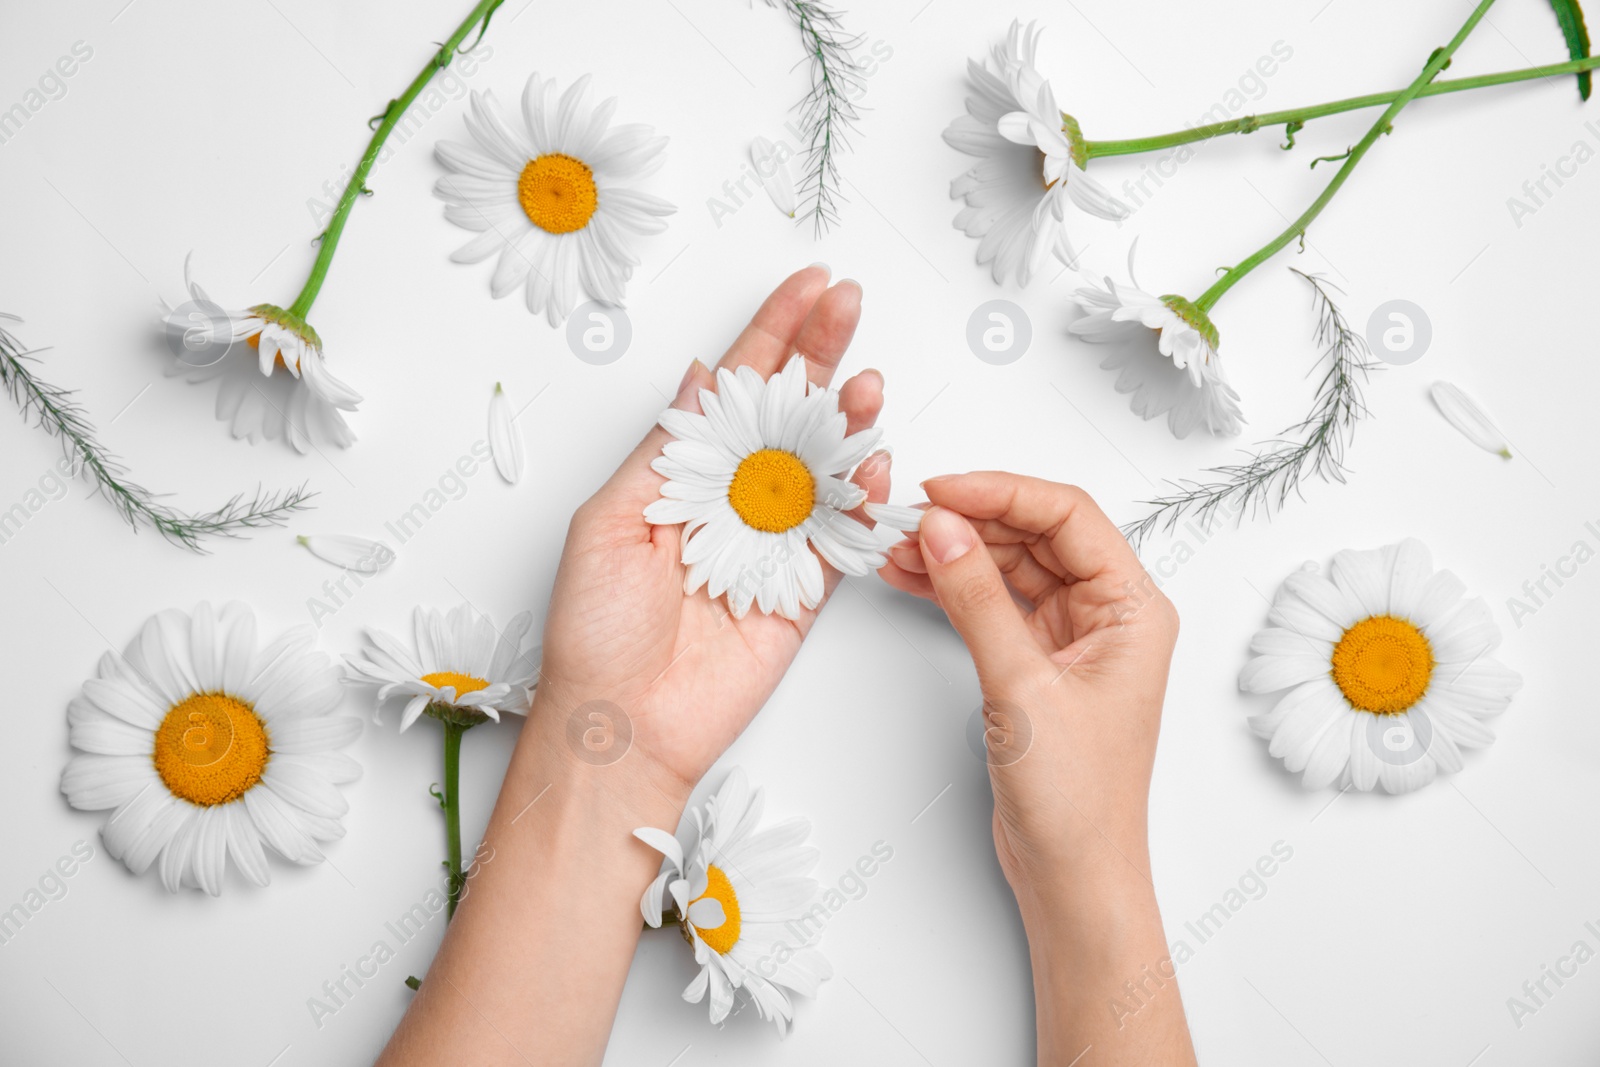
(633, 662)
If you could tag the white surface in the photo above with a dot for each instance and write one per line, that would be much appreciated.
(1400, 926)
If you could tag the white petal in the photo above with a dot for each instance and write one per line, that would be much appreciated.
(505, 441)
(663, 843)
(776, 176)
(1465, 415)
(894, 516)
(345, 550)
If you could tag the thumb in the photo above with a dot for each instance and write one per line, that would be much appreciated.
(974, 595)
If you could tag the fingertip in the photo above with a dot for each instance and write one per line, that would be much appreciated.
(945, 536)
(907, 555)
(861, 399)
(696, 378)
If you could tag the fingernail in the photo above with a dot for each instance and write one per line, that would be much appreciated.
(689, 375)
(826, 269)
(877, 462)
(946, 536)
(860, 292)
(876, 373)
(934, 480)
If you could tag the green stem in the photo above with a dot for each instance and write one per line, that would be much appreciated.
(452, 810)
(1435, 63)
(1299, 116)
(391, 118)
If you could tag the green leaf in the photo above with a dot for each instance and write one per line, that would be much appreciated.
(1570, 16)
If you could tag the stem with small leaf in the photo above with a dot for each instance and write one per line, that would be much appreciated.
(479, 17)
(1436, 63)
(1295, 118)
(452, 811)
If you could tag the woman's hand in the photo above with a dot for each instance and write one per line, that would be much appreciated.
(622, 636)
(1073, 680)
(532, 966)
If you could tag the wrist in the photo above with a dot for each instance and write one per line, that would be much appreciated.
(583, 754)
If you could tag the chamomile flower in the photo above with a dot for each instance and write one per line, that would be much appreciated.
(760, 476)
(737, 889)
(1165, 350)
(209, 747)
(1390, 669)
(461, 667)
(276, 385)
(1032, 160)
(554, 197)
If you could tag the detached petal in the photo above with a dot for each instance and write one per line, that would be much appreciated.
(776, 177)
(505, 443)
(1465, 415)
(344, 550)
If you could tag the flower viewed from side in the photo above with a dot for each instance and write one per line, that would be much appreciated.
(277, 385)
(1389, 668)
(1031, 163)
(735, 888)
(209, 747)
(762, 474)
(1165, 352)
(553, 197)
(462, 668)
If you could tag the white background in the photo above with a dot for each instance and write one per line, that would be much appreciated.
(1400, 926)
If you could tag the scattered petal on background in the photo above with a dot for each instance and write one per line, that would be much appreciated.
(343, 550)
(504, 440)
(1465, 415)
(776, 177)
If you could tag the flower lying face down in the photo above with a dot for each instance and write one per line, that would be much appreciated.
(734, 889)
(758, 481)
(1165, 349)
(275, 385)
(1031, 164)
(1389, 667)
(209, 748)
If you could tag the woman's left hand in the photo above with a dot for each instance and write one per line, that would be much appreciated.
(622, 637)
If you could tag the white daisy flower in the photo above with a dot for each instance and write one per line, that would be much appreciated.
(553, 197)
(280, 388)
(764, 473)
(462, 667)
(1390, 668)
(1177, 372)
(736, 889)
(208, 747)
(1032, 163)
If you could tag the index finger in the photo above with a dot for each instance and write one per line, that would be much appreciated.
(1087, 543)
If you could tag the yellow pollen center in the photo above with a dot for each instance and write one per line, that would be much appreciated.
(558, 193)
(772, 490)
(1382, 664)
(464, 683)
(718, 888)
(211, 749)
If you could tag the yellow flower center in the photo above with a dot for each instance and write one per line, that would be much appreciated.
(464, 683)
(211, 749)
(558, 193)
(772, 490)
(1382, 664)
(718, 888)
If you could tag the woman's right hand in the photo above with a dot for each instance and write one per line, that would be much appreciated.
(1073, 681)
